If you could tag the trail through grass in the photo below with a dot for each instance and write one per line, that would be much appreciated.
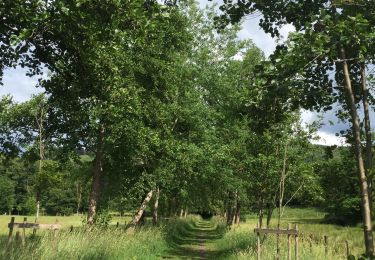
(195, 240)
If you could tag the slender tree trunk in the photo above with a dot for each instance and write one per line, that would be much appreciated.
(181, 213)
(367, 227)
(79, 197)
(368, 132)
(269, 214)
(186, 212)
(260, 217)
(238, 213)
(229, 214)
(39, 121)
(281, 197)
(235, 208)
(140, 212)
(96, 176)
(156, 207)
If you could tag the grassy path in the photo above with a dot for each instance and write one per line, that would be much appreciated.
(196, 241)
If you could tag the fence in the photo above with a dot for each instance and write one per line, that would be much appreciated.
(289, 232)
(294, 232)
(24, 225)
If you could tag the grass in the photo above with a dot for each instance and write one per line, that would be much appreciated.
(109, 243)
(240, 240)
(191, 238)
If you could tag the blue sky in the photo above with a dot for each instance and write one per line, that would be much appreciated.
(22, 87)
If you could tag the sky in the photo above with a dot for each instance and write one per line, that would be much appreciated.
(22, 87)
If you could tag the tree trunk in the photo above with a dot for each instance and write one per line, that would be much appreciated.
(156, 206)
(269, 214)
(260, 217)
(79, 197)
(366, 214)
(140, 212)
(238, 212)
(367, 132)
(229, 214)
(186, 212)
(96, 176)
(181, 213)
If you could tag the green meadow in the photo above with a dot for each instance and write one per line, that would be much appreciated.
(182, 238)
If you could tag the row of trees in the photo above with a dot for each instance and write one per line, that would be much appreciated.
(169, 110)
(160, 104)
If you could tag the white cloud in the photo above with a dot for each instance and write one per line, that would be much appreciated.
(329, 139)
(20, 86)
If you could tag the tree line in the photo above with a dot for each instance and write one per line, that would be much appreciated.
(150, 103)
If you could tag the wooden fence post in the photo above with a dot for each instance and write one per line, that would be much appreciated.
(258, 243)
(289, 251)
(17, 236)
(326, 245)
(296, 243)
(310, 241)
(10, 230)
(24, 231)
(347, 249)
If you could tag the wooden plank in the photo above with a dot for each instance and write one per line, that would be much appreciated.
(34, 225)
(276, 231)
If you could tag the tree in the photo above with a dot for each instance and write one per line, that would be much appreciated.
(326, 39)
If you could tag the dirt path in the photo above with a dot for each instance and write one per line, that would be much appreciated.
(196, 241)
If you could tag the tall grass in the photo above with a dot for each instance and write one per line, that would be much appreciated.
(181, 238)
(146, 243)
(240, 241)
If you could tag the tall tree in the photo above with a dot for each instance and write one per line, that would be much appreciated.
(330, 36)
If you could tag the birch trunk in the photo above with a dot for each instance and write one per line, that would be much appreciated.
(79, 197)
(140, 212)
(366, 214)
(156, 206)
(367, 132)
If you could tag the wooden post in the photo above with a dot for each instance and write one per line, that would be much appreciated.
(326, 245)
(310, 241)
(347, 249)
(71, 228)
(258, 243)
(10, 230)
(24, 231)
(36, 217)
(289, 251)
(117, 224)
(296, 243)
(17, 236)
(37, 212)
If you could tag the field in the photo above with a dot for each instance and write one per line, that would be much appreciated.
(190, 238)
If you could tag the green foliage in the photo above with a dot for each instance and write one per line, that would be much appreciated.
(7, 200)
(342, 202)
(30, 206)
(103, 218)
